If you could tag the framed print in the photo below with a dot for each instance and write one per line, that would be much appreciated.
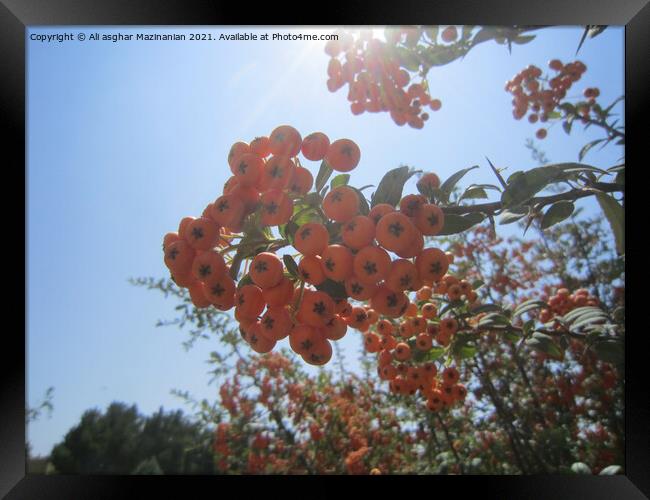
(387, 242)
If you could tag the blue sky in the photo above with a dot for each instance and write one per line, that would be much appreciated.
(124, 139)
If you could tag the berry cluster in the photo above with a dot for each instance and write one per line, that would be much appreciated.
(402, 346)
(539, 97)
(376, 77)
(267, 179)
(563, 302)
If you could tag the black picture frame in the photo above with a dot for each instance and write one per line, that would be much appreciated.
(17, 15)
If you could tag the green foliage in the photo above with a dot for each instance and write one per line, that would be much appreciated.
(121, 441)
(391, 185)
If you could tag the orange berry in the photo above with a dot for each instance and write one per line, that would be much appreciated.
(261, 146)
(358, 319)
(373, 316)
(236, 151)
(301, 181)
(371, 342)
(402, 351)
(450, 375)
(336, 328)
(277, 173)
(395, 231)
(385, 327)
(304, 339)
(424, 293)
(413, 249)
(320, 354)
(221, 292)
(258, 342)
(248, 169)
(359, 232)
(427, 182)
(266, 270)
(430, 219)
(198, 296)
(371, 265)
(343, 155)
(449, 326)
(341, 204)
(424, 341)
(406, 330)
(389, 303)
(311, 239)
(336, 262)
(429, 310)
(314, 146)
(249, 301)
(202, 233)
(454, 292)
(385, 357)
(402, 275)
(449, 34)
(168, 239)
(432, 264)
(317, 308)
(208, 265)
(379, 210)
(276, 323)
(227, 210)
(179, 257)
(358, 290)
(285, 141)
(411, 204)
(411, 310)
(277, 208)
(249, 195)
(311, 270)
(280, 294)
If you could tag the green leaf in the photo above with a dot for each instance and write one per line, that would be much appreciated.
(467, 351)
(566, 125)
(408, 58)
(245, 280)
(527, 185)
(580, 468)
(577, 312)
(557, 212)
(493, 319)
(334, 289)
(291, 266)
(585, 149)
(529, 305)
(435, 353)
(323, 174)
(616, 217)
(459, 223)
(390, 188)
(288, 231)
(449, 184)
(441, 55)
(510, 216)
(611, 470)
(364, 209)
(473, 193)
(487, 308)
(476, 284)
(610, 351)
(483, 35)
(522, 39)
(340, 180)
(544, 343)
